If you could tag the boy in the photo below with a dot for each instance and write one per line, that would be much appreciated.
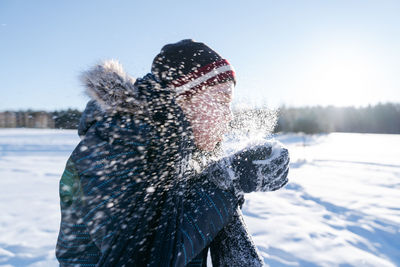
(128, 194)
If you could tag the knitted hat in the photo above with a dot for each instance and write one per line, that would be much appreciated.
(188, 66)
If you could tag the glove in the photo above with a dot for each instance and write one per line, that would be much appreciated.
(260, 168)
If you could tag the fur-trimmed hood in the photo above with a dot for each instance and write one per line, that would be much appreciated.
(113, 91)
(111, 87)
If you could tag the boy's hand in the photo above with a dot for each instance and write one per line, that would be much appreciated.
(261, 168)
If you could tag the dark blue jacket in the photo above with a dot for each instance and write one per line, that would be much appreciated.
(127, 196)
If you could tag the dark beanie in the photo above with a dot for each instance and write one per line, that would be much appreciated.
(188, 66)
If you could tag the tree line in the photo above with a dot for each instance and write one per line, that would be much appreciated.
(380, 118)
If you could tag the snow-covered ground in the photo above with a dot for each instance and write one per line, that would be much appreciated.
(341, 207)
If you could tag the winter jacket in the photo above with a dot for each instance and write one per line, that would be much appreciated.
(127, 195)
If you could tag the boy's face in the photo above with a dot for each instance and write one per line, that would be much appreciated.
(209, 114)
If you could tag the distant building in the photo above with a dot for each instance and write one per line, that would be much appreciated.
(28, 119)
(8, 119)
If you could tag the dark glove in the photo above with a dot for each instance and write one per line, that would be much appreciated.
(260, 168)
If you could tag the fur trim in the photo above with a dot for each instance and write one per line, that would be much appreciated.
(111, 87)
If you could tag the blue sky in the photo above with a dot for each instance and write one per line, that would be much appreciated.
(285, 52)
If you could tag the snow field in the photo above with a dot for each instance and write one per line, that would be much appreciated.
(340, 208)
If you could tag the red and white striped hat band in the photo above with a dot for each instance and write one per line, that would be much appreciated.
(211, 74)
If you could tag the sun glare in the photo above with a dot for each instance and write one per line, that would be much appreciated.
(340, 75)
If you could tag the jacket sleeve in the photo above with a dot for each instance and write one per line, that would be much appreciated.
(233, 245)
(206, 210)
(200, 260)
